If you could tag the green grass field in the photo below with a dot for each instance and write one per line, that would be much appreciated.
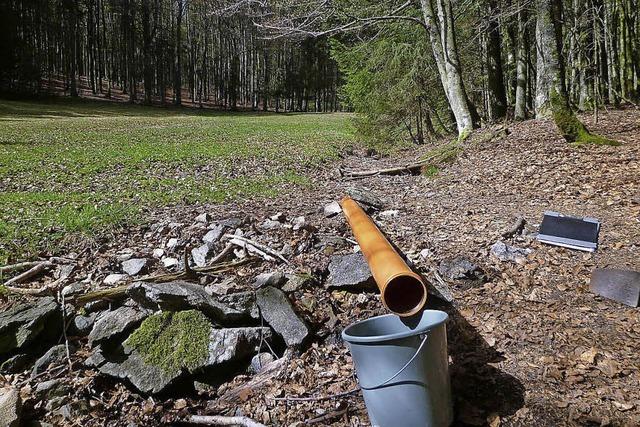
(79, 167)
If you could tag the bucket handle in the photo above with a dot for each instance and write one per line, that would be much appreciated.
(424, 341)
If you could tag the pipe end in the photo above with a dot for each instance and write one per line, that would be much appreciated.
(405, 295)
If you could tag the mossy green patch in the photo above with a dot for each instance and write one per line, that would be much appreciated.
(571, 128)
(430, 170)
(173, 340)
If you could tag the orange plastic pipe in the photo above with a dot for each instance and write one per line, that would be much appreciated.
(403, 292)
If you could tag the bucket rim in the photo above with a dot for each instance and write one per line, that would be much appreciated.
(389, 337)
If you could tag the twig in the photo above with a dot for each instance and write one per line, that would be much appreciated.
(188, 272)
(226, 251)
(328, 416)
(318, 398)
(193, 272)
(64, 329)
(256, 245)
(219, 420)
(111, 293)
(32, 272)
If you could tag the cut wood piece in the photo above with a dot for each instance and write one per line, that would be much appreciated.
(622, 286)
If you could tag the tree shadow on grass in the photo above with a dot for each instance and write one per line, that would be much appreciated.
(478, 388)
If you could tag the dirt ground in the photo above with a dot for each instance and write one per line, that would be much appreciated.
(530, 346)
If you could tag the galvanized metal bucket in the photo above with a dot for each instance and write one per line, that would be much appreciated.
(402, 366)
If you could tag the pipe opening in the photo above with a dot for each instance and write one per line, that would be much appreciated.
(405, 295)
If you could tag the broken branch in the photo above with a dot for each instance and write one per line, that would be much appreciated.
(32, 272)
(251, 245)
(18, 266)
(219, 420)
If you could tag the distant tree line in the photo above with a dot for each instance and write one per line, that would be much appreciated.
(148, 49)
(426, 67)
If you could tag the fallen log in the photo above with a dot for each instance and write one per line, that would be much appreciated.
(398, 170)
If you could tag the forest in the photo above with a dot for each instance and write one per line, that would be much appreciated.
(333, 212)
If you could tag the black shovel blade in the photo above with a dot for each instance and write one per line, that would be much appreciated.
(619, 285)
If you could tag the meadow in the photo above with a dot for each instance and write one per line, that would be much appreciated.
(70, 168)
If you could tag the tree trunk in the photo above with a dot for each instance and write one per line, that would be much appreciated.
(177, 82)
(520, 112)
(146, 34)
(551, 94)
(495, 78)
(445, 52)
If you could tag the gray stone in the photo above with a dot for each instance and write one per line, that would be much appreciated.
(350, 271)
(16, 363)
(130, 366)
(390, 213)
(73, 288)
(260, 361)
(200, 254)
(181, 295)
(169, 262)
(226, 287)
(213, 235)
(23, 323)
(52, 389)
(280, 217)
(244, 302)
(158, 253)
(332, 209)
(275, 278)
(270, 224)
(460, 268)
(134, 266)
(82, 325)
(172, 243)
(10, 407)
(299, 223)
(297, 281)
(230, 344)
(233, 222)
(203, 218)
(113, 279)
(278, 312)
(366, 197)
(225, 345)
(55, 354)
(507, 253)
(116, 323)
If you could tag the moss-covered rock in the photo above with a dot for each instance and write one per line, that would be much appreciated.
(172, 341)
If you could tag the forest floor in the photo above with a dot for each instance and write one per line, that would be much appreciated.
(528, 346)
